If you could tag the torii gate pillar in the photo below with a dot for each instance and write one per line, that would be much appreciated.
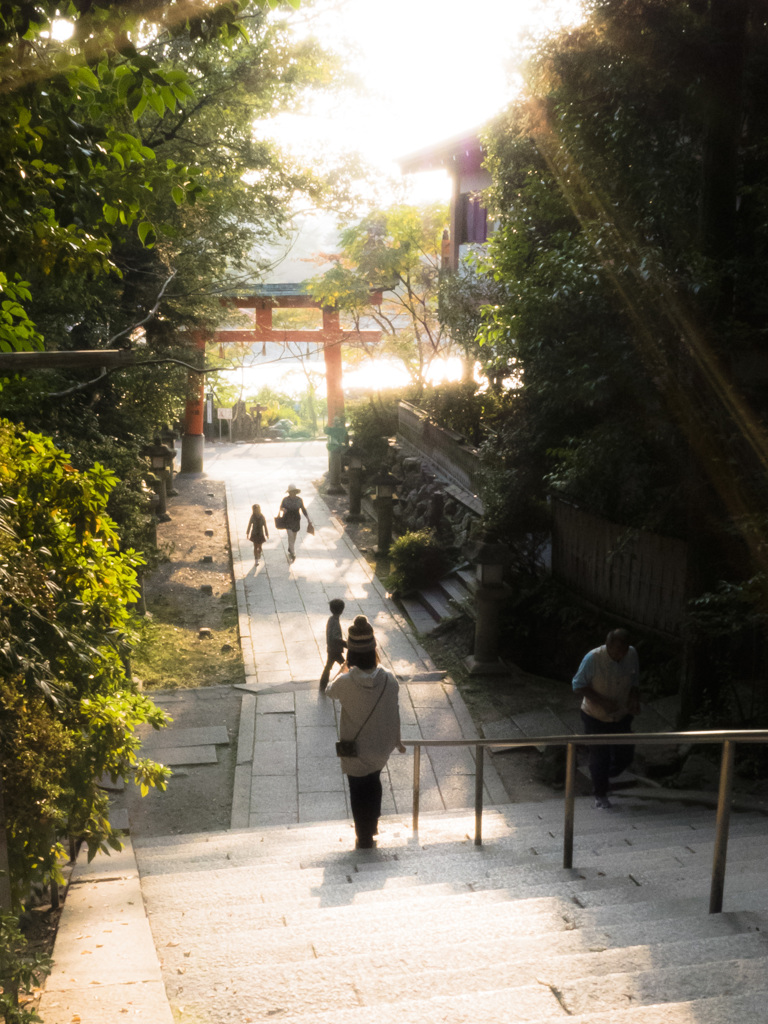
(193, 439)
(332, 354)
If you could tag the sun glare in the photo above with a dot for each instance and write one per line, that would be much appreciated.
(61, 30)
(431, 69)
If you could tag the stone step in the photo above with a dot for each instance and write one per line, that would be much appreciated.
(482, 944)
(468, 577)
(436, 602)
(399, 979)
(456, 590)
(501, 823)
(435, 899)
(534, 1004)
(495, 1006)
(356, 980)
(214, 931)
(640, 837)
(436, 865)
(422, 619)
(495, 936)
(331, 852)
(609, 916)
(245, 1000)
(696, 856)
(644, 868)
(534, 909)
(228, 887)
(649, 892)
(747, 1007)
(457, 860)
(661, 984)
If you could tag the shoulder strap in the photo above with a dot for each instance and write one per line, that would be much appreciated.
(386, 680)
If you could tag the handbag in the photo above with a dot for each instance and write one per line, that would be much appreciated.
(310, 528)
(280, 522)
(348, 748)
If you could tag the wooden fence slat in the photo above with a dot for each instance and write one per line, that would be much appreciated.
(636, 574)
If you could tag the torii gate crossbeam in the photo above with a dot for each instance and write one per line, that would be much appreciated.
(270, 297)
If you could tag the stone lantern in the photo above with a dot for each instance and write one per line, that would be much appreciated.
(160, 459)
(355, 475)
(489, 591)
(168, 437)
(385, 500)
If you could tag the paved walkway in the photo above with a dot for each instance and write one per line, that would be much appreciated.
(287, 769)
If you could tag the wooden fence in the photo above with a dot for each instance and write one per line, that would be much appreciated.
(637, 575)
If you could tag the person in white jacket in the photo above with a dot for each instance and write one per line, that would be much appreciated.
(370, 715)
(608, 682)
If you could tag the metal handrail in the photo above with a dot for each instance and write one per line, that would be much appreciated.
(727, 737)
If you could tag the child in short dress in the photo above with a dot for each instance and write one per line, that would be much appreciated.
(257, 531)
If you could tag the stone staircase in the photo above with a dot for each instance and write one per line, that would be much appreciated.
(443, 601)
(291, 924)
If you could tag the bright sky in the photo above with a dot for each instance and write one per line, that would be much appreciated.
(432, 68)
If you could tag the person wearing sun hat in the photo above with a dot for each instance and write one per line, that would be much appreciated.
(291, 508)
(370, 715)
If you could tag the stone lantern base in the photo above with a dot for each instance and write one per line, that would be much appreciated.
(475, 667)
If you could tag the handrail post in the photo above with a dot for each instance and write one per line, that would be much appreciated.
(721, 828)
(478, 795)
(570, 787)
(416, 785)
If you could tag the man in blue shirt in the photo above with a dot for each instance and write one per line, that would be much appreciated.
(608, 682)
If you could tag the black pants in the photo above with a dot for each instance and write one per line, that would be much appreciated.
(333, 659)
(365, 797)
(607, 762)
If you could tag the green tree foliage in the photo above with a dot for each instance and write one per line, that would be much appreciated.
(397, 251)
(463, 407)
(132, 183)
(372, 421)
(621, 320)
(463, 294)
(68, 713)
(132, 187)
(20, 970)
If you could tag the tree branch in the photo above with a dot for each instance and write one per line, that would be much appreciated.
(147, 318)
(146, 362)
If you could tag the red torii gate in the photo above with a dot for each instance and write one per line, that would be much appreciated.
(268, 298)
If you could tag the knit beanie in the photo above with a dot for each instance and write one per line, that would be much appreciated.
(360, 635)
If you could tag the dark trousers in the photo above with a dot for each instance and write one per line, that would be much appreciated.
(607, 762)
(365, 797)
(333, 659)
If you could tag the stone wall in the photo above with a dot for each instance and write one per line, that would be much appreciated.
(427, 501)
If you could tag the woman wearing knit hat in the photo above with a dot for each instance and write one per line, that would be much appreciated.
(370, 716)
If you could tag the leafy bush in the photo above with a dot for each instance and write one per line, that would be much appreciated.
(461, 407)
(417, 560)
(285, 412)
(373, 421)
(68, 713)
(20, 971)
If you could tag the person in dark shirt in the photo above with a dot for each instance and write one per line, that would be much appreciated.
(291, 507)
(334, 641)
